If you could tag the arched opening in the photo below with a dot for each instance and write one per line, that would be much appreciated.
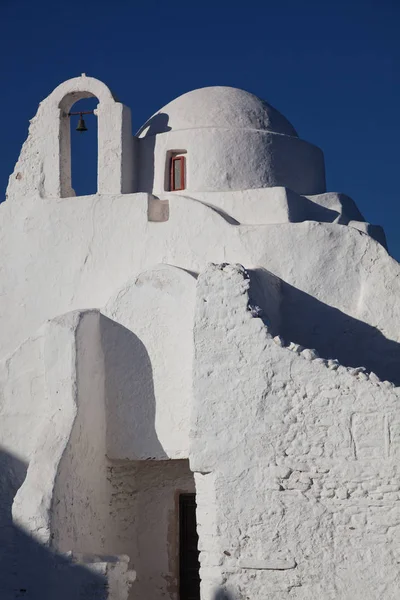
(84, 147)
(113, 144)
(83, 154)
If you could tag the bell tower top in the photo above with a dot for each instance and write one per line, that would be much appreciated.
(44, 164)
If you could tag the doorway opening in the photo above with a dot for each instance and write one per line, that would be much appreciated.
(189, 566)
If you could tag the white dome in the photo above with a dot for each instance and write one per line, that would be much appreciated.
(217, 107)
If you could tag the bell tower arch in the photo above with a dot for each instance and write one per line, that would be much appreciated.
(44, 165)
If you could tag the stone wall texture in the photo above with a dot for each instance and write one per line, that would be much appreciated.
(296, 461)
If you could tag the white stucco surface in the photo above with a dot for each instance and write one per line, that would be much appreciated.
(280, 205)
(217, 107)
(317, 445)
(232, 140)
(74, 498)
(114, 371)
(232, 159)
(82, 494)
(70, 445)
(114, 578)
(149, 375)
(69, 250)
(23, 398)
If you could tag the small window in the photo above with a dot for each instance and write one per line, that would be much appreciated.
(177, 174)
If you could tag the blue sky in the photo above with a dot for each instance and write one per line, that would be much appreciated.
(332, 68)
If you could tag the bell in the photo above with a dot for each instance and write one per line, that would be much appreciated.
(81, 125)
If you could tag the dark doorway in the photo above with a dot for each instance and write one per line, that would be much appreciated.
(189, 577)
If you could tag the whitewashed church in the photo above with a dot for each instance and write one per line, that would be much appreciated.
(198, 364)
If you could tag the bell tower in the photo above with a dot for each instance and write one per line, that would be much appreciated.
(44, 165)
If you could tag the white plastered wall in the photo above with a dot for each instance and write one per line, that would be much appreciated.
(81, 497)
(278, 205)
(148, 361)
(53, 421)
(64, 254)
(298, 457)
(74, 498)
(63, 500)
(61, 254)
(220, 159)
(23, 397)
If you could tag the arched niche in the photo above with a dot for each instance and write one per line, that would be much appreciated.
(44, 165)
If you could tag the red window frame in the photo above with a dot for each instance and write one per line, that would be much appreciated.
(177, 185)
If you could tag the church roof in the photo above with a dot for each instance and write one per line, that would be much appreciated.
(218, 107)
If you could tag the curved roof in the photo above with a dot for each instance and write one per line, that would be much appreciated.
(219, 106)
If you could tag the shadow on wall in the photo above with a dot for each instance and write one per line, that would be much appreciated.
(156, 124)
(307, 321)
(28, 570)
(222, 594)
(130, 398)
